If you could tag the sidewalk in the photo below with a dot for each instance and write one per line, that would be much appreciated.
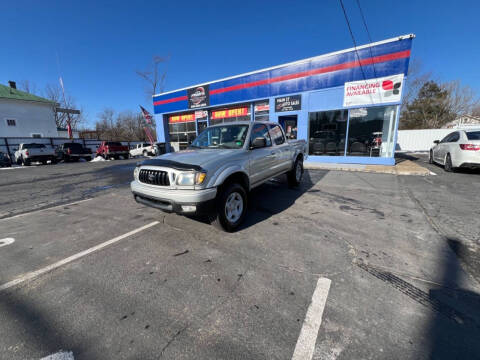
(405, 167)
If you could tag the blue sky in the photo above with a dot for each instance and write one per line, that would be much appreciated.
(102, 43)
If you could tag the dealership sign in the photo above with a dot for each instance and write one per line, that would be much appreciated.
(181, 118)
(373, 91)
(229, 113)
(288, 103)
(198, 97)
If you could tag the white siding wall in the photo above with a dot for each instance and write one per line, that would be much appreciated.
(420, 140)
(31, 118)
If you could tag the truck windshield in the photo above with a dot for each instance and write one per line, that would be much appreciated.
(224, 136)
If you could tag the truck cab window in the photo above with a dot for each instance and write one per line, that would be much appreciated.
(277, 135)
(260, 130)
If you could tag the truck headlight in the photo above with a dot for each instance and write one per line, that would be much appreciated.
(136, 172)
(190, 178)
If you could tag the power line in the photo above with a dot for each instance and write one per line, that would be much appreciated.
(353, 38)
(368, 33)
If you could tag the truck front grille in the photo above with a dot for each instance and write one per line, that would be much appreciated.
(154, 177)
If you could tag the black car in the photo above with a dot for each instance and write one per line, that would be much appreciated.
(5, 160)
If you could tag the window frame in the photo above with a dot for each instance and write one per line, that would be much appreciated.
(11, 119)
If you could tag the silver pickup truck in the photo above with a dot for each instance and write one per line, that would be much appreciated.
(217, 171)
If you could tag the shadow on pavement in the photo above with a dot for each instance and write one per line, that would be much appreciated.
(454, 331)
(38, 329)
(275, 196)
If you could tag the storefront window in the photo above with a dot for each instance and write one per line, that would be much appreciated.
(327, 132)
(261, 109)
(371, 131)
(239, 113)
(182, 130)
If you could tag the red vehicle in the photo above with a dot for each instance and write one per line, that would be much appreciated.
(115, 149)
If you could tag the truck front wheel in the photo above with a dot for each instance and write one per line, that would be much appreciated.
(231, 207)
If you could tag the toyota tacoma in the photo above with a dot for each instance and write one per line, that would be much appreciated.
(217, 171)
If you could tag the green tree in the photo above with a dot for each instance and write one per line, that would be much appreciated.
(431, 109)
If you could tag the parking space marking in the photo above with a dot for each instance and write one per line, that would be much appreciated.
(45, 209)
(308, 334)
(6, 241)
(34, 274)
(62, 355)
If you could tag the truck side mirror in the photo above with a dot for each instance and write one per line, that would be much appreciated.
(436, 142)
(259, 142)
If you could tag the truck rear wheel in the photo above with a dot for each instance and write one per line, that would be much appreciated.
(231, 207)
(295, 175)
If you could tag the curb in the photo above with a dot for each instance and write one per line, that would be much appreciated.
(405, 168)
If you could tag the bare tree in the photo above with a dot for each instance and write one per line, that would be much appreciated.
(461, 99)
(54, 93)
(28, 87)
(416, 78)
(153, 76)
(125, 126)
(476, 111)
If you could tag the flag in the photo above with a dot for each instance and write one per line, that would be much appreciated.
(146, 115)
(69, 130)
(148, 119)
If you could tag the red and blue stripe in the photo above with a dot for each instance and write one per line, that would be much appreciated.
(318, 73)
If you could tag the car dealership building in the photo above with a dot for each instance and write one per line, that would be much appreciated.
(345, 104)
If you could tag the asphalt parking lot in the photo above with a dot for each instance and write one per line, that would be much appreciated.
(93, 273)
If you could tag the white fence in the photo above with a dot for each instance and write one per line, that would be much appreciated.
(420, 140)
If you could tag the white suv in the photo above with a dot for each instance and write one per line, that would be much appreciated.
(142, 149)
(460, 148)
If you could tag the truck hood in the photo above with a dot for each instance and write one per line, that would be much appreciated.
(194, 159)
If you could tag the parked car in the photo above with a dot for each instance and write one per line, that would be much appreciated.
(73, 152)
(5, 160)
(142, 149)
(112, 149)
(459, 149)
(220, 167)
(28, 153)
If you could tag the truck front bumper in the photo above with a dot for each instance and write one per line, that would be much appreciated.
(178, 201)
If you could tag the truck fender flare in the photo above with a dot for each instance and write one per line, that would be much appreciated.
(223, 173)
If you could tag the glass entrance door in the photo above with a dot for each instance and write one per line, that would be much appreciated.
(201, 125)
(289, 125)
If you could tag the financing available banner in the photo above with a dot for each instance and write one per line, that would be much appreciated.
(373, 91)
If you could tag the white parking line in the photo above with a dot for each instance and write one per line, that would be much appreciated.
(61, 355)
(45, 209)
(308, 335)
(6, 241)
(33, 274)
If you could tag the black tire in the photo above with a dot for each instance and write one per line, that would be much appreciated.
(44, 162)
(448, 164)
(430, 158)
(234, 192)
(25, 162)
(295, 175)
